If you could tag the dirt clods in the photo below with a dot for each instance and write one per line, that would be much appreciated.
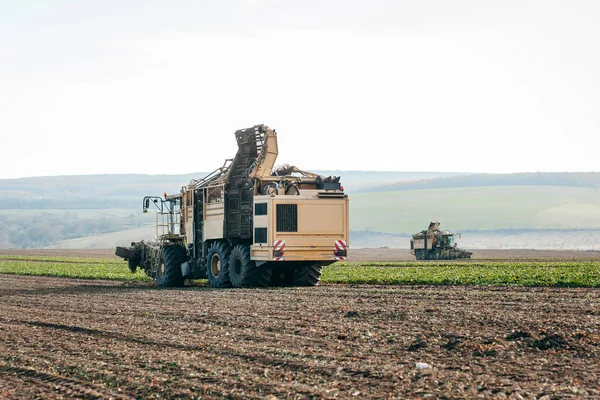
(74, 338)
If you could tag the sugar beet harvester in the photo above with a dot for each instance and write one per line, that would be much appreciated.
(246, 224)
(436, 244)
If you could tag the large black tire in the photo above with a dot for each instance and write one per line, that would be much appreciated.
(168, 272)
(307, 275)
(243, 272)
(217, 264)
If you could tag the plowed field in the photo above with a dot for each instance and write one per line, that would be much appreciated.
(70, 338)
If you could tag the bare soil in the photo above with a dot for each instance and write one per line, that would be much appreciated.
(73, 338)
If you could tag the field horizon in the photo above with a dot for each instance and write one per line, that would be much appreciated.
(533, 210)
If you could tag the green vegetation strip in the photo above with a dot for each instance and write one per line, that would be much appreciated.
(525, 273)
(72, 260)
(561, 274)
(97, 269)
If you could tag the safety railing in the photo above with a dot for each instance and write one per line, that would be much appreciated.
(168, 223)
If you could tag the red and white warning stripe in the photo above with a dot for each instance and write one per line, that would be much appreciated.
(340, 245)
(279, 245)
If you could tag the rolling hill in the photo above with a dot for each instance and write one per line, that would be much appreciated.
(546, 210)
(562, 179)
(480, 208)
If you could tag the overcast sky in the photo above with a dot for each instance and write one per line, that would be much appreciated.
(138, 86)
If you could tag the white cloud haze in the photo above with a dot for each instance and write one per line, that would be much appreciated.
(159, 87)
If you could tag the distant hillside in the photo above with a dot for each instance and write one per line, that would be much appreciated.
(483, 208)
(106, 240)
(356, 181)
(98, 211)
(573, 179)
(28, 228)
(87, 191)
(127, 190)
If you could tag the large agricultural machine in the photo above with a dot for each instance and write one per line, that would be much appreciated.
(246, 224)
(436, 244)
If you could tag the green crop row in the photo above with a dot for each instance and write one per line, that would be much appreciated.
(70, 269)
(70, 260)
(473, 264)
(562, 273)
(526, 273)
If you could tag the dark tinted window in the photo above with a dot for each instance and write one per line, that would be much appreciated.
(260, 235)
(260, 209)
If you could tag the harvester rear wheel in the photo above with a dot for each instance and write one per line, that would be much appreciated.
(217, 264)
(243, 272)
(168, 272)
(307, 275)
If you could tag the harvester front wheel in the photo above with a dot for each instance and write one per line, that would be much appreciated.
(217, 265)
(168, 272)
(307, 275)
(243, 272)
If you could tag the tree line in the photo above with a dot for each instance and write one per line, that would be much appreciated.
(20, 230)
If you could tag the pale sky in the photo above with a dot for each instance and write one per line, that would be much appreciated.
(159, 87)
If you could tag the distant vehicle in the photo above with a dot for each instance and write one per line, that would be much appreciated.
(435, 244)
(246, 224)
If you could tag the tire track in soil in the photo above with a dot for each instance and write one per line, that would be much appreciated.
(252, 359)
(48, 386)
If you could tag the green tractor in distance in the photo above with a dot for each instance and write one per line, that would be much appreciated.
(435, 244)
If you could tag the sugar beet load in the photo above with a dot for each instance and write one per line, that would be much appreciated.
(435, 244)
(246, 224)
